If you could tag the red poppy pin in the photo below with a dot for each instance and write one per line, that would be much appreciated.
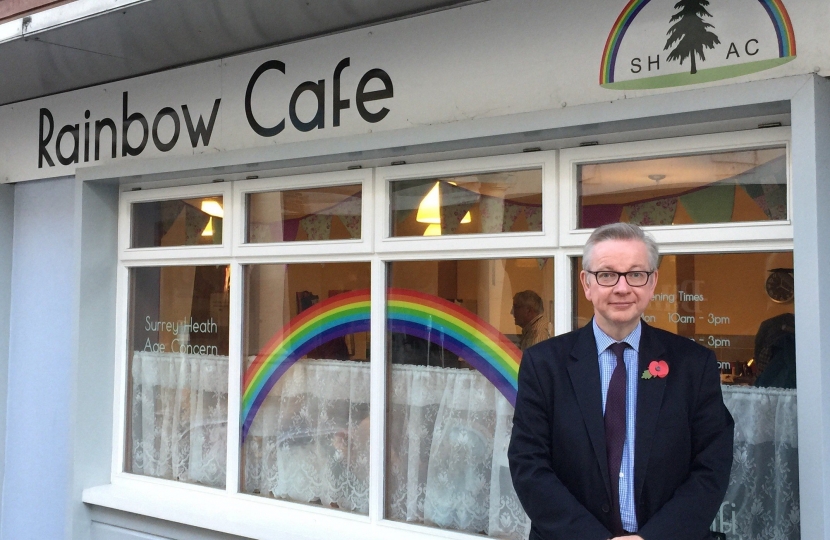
(657, 368)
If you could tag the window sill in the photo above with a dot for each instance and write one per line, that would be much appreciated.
(248, 516)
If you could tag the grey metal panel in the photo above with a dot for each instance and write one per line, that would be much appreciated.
(162, 34)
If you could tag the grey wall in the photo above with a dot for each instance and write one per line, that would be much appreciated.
(6, 236)
(811, 231)
(62, 261)
(38, 451)
(94, 366)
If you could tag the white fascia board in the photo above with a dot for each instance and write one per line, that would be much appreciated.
(11, 30)
(62, 15)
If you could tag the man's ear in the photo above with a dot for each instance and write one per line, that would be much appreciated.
(583, 278)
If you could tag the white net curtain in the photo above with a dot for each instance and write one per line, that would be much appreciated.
(447, 448)
(179, 417)
(310, 439)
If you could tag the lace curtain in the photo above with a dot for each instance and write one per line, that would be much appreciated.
(447, 446)
(448, 433)
(310, 439)
(762, 501)
(179, 416)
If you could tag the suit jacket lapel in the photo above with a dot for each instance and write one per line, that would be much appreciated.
(649, 401)
(583, 370)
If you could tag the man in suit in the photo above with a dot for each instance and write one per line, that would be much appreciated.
(620, 430)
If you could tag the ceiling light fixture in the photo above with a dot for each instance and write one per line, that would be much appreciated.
(213, 208)
(209, 228)
(429, 211)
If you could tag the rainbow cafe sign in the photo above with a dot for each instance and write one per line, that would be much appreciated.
(665, 43)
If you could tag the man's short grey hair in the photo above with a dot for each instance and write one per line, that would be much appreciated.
(529, 299)
(620, 231)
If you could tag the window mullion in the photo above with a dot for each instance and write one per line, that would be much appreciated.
(378, 366)
(234, 378)
(563, 294)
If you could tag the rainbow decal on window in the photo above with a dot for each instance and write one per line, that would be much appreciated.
(423, 315)
(774, 8)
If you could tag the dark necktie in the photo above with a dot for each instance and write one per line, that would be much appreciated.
(615, 430)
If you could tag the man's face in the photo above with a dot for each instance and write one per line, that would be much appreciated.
(521, 314)
(618, 308)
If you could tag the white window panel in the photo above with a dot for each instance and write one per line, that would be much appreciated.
(667, 235)
(547, 237)
(189, 253)
(243, 189)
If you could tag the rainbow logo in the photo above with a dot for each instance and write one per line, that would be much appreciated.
(774, 8)
(410, 312)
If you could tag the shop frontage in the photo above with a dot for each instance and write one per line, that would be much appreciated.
(275, 295)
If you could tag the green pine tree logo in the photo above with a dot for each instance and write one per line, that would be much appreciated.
(690, 33)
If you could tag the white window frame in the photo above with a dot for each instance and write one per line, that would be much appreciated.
(697, 235)
(261, 517)
(128, 198)
(546, 161)
(364, 244)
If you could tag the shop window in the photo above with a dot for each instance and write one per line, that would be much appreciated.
(178, 373)
(178, 222)
(453, 354)
(499, 202)
(305, 393)
(720, 187)
(311, 214)
(288, 338)
(740, 305)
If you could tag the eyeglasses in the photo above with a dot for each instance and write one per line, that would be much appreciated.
(635, 278)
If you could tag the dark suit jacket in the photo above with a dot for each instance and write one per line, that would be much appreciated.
(682, 449)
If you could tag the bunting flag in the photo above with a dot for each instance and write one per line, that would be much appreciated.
(170, 211)
(770, 197)
(285, 231)
(754, 190)
(775, 196)
(349, 212)
(767, 186)
(710, 205)
(511, 213)
(656, 212)
(455, 203)
(195, 222)
(533, 214)
(597, 215)
(317, 226)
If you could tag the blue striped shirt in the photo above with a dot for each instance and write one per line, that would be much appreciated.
(607, 363)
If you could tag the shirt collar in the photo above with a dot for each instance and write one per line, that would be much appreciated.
(604, 340)
(532, 322)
